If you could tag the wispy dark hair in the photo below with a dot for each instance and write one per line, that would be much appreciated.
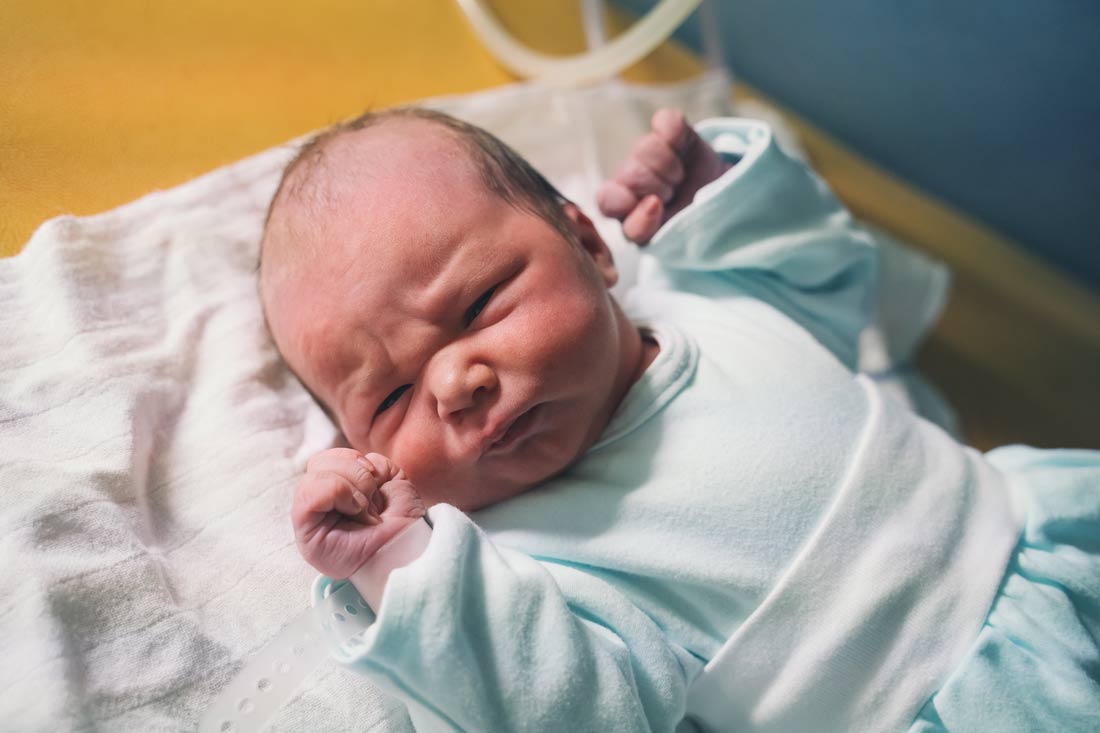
(503, 171)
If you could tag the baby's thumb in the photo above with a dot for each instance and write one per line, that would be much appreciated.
(401, 500)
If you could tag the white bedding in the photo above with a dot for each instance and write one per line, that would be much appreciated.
(150, 437)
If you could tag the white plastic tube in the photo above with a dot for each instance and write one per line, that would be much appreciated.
(595, 65)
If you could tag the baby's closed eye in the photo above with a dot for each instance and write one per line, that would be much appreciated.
(478, 306)
(392, 399)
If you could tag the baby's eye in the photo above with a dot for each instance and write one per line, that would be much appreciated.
(394, 397)
(478, 306)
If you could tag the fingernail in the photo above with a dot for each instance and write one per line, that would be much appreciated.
(360, 498)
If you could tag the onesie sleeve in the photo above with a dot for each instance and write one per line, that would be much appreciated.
(477, 637)
(771, 228)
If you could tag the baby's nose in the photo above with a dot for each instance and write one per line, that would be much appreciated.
(463, 387)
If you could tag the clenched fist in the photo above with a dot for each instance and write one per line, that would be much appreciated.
(665, 170)
(347, 506)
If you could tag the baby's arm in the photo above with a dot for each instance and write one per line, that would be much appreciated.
(768, 226)
(472, 636)
(665, 169)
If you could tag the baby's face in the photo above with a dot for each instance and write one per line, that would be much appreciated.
(465, 339)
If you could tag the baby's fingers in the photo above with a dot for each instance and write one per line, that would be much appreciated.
(382, 468)
(645, 220)
(672, 127)
(401, 500)
(615, 200)
(642, 180)
(319, 494)
(352, 465)
(658, 156)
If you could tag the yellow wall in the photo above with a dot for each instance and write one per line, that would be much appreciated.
(101, 102)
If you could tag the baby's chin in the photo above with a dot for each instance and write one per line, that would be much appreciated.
(474, 494)
(470, 497)
(488, 482)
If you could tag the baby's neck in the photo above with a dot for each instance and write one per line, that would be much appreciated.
(638, 351)
(650, 349)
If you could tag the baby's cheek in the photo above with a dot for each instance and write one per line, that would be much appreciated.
(358, 440)
(419, 451)
(579, 325)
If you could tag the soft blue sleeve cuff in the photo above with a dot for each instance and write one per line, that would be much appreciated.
(759, 209)
(473, 636)
(774, 230)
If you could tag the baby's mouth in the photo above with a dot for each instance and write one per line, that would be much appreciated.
(519, 428)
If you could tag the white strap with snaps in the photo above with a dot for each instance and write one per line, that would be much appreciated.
(334, 624)
(268, 681)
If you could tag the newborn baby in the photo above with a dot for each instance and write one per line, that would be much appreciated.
(683, 511)
(451, 310)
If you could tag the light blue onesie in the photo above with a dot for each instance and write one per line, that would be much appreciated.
(760, 540)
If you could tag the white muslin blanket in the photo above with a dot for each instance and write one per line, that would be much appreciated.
(150, 437)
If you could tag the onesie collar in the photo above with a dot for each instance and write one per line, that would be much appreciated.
(669, 373)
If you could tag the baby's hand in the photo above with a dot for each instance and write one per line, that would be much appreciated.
(662, 175)
(347, 506)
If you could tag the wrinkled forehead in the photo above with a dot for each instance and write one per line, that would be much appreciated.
(365, 241)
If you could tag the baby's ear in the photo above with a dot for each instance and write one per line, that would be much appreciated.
(591, 242)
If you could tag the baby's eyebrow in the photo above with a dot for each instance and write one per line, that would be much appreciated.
(367, 365)
(437, 300)
(440, 307)
(357, 383)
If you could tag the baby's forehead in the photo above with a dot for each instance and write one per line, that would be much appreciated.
(395, 212)
(370, 179)
(378, 169)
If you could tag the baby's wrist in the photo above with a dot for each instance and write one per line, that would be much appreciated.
(401, 550)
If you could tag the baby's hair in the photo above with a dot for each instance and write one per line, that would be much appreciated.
(503, 171)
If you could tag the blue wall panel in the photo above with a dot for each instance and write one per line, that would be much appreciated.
(992, 106)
